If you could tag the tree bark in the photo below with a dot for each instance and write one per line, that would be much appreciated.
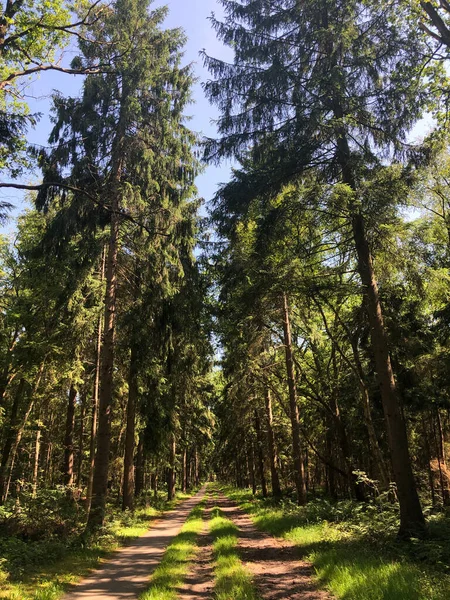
(81, 438)
(273, 455)
(100, 478)
(95, 396)
(9, 439)
(299, 475)
(184, 470)
(68, 439)
(259, 445)
(37, 450)
(140, 466)
(128, 465)
(171, 470)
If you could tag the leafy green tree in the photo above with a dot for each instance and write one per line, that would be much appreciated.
(32, 36)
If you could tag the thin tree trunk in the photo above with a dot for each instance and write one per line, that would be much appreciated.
(252, 466)
(68, 439)
(273, 455)
(196, 468)
(259, 444)
(128, 465)
(183, 470)
(95, 397)
(442, 459)
(140, 466)
(358, 370)
(9, 456)
(171, 470)
(81, 439)
(299, 476)
(37, 449)
(101, 467)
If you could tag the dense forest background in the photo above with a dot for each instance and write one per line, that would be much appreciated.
(296, 339)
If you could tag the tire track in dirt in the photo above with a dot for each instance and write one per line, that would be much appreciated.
(278, 572)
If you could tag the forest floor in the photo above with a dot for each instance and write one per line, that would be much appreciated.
(204, 548)
(223, 556)
(243, 547)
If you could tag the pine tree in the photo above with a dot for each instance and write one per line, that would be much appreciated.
(335, 86)
(129, 158)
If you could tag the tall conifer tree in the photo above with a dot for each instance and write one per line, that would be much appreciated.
(129, 158)
(333, 85)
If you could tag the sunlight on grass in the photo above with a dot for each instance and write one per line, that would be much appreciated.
(232, 581)
(175, 563)
(350, 565)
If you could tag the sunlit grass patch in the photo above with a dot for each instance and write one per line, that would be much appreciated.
(354, 556)
(232, 581)
(175, 563)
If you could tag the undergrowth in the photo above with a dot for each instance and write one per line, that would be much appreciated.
(232, 581)
(355, 549)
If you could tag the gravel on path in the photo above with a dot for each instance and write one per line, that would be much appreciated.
(126, 574)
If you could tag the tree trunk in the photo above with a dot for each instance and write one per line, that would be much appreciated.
(252, 466)
(15, 437)
(9, 439)
(184, 470)
(140, 466)
(171, 470)
(128, 464)
(196, 468)
(95, 396)
(100, 478)
(259, 445)
(68, 439)
(299, 475)
(442, 460)
(411, 517)
(37, 449)
(273, 455)
(81, 439)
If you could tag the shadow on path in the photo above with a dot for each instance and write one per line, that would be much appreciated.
(126, 574)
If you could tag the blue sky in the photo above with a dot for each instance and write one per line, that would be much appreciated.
(192, 16)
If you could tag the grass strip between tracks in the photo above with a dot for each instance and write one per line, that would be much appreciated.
(232, 581)
(170, 573)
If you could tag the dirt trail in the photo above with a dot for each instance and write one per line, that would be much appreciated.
(126, 574)
(278, 572)
(199, 583)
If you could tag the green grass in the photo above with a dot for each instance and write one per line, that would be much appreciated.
(43, 570)
(355, 551)
(171, 571)
(232, 581)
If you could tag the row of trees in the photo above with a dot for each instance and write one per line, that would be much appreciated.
(330, 304)
(103, 325)
(333, 299)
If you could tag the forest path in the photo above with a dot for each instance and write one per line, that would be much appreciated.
(278, 572)
(126, 574)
